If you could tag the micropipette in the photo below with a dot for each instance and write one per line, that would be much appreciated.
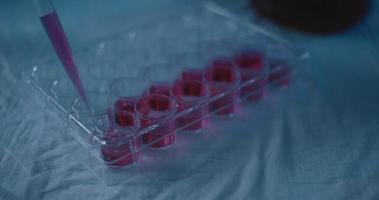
(58, 39)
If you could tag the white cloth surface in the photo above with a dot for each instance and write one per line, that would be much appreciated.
(319, 142)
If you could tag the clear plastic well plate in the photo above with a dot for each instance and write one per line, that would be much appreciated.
(161, 79)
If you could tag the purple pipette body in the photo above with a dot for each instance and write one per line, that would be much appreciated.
(58, 39)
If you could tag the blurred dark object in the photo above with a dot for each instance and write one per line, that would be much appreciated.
(313, 16)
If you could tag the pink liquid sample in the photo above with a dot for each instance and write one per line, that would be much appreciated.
(153, 109)
(250, 60)
(189, 93)
(61, 46)
(252, 66)
(222, 63)
(254, 91)
(193, 74)
(163, 89)
(121, 150)
(121, 105)
(221, 78)
(279, 72)
(119, 155)
(162, 136)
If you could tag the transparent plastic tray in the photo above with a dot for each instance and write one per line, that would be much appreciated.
(205, 39)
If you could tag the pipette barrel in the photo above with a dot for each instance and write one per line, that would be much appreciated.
(58, 39)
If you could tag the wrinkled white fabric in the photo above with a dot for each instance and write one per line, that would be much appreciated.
(318, 140)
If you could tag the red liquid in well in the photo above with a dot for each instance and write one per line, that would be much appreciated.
(222, 77)
(193, 74)
(189, 93)
(125, 104)
(119, 155)
(222, 63)
(250, 60)
(121, 151)
(160, 137)
(254, 91)
(163, 89)
(224, 105)
(252, 67)
(153, 109)
(279, 73)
